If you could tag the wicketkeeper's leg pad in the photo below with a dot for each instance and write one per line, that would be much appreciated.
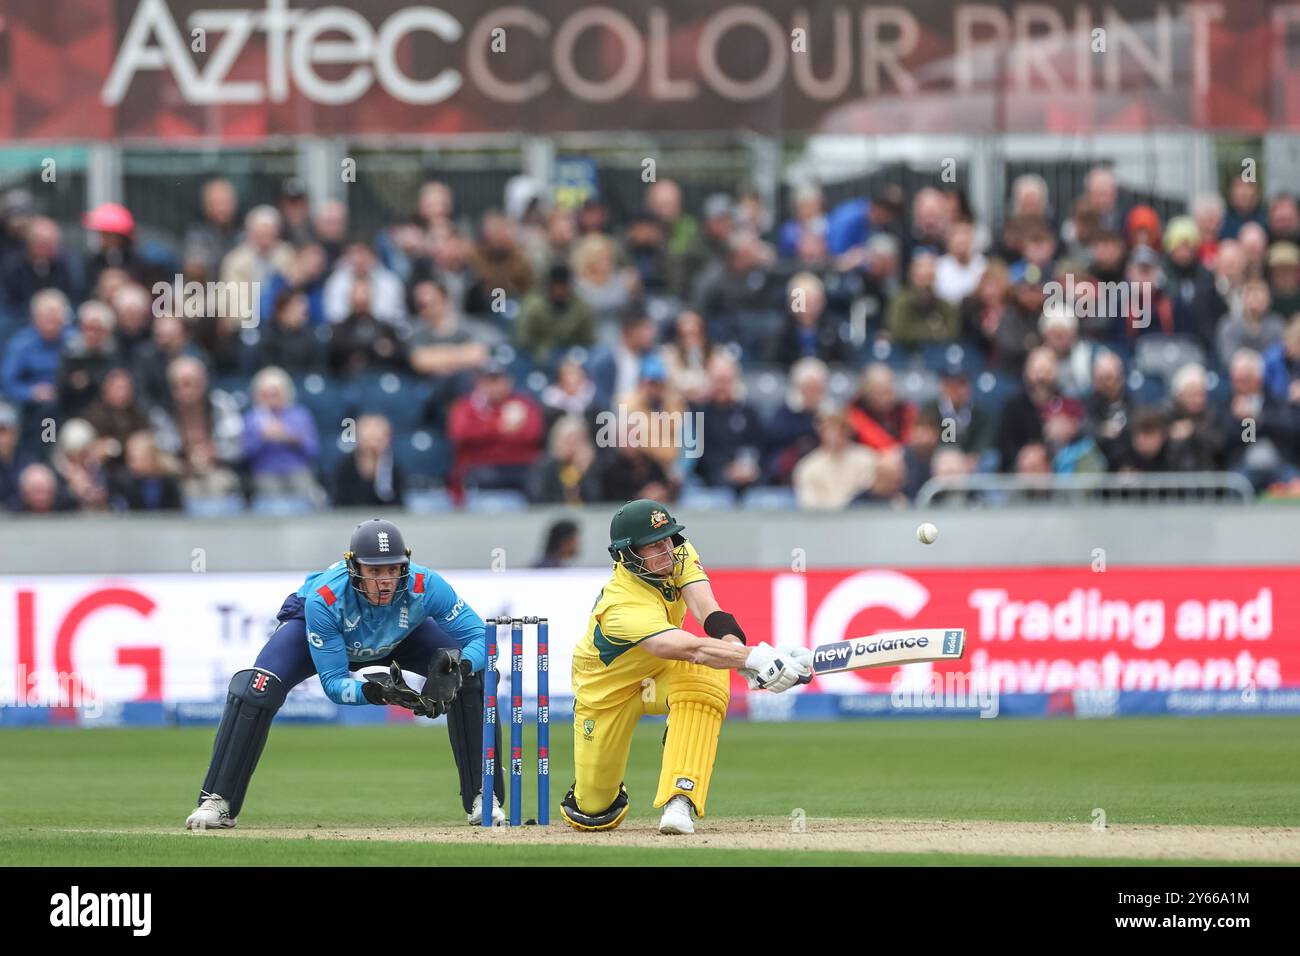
(251, 704)
(465, 731)
(697, 704)
(607, 819)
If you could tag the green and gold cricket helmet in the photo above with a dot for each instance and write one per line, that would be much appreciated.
(643, 522)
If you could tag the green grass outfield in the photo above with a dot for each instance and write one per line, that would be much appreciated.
(58, 786)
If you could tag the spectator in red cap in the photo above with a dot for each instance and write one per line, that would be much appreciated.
(1143, 227)
(114, 227)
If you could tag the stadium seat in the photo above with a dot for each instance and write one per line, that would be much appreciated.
(993, 388)
(755, 332)
(231, 383)
(492, 501)
(917, 385)
(1146, 390)
(1219, 387)
(424, 458)
(703, 498)
(282, 506)
(429, 501)
(1162, 355)
(399, 398)
(765, 390)
(939, 355)
(769, 499)
(842, 387)
(226, 506)
(880, 350)
(331, 451)
(324, 398)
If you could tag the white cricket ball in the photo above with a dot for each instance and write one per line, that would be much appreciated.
(926, 533)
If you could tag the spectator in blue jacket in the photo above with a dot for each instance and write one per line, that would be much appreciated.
(1282, 365)
(280, 440)
(809, 216)
(31, 361)
(30, 369)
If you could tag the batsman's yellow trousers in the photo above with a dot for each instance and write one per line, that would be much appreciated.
(695, 698)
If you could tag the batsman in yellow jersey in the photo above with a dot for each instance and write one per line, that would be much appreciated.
(636, 659)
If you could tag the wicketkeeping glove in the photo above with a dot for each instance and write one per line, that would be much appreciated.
(445, 677)
(391, 688)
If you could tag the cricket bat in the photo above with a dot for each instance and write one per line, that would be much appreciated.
(889, 649)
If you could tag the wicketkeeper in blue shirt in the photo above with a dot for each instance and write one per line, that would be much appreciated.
(373, 607)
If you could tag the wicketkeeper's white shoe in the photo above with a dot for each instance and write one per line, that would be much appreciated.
(476, 812)
(677, 816)
(213, 814)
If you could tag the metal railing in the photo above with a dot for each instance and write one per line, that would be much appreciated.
(1190, 487)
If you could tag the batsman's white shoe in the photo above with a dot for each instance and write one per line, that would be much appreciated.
(213, 814)
(476, 812)
(677, 816)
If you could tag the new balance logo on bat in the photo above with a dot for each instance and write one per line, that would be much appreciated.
(830, 657)
(890, 649)
(836, 656)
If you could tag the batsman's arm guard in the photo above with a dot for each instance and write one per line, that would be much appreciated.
(719, 624)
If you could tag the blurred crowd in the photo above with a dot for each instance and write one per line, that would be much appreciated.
(822, 356)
